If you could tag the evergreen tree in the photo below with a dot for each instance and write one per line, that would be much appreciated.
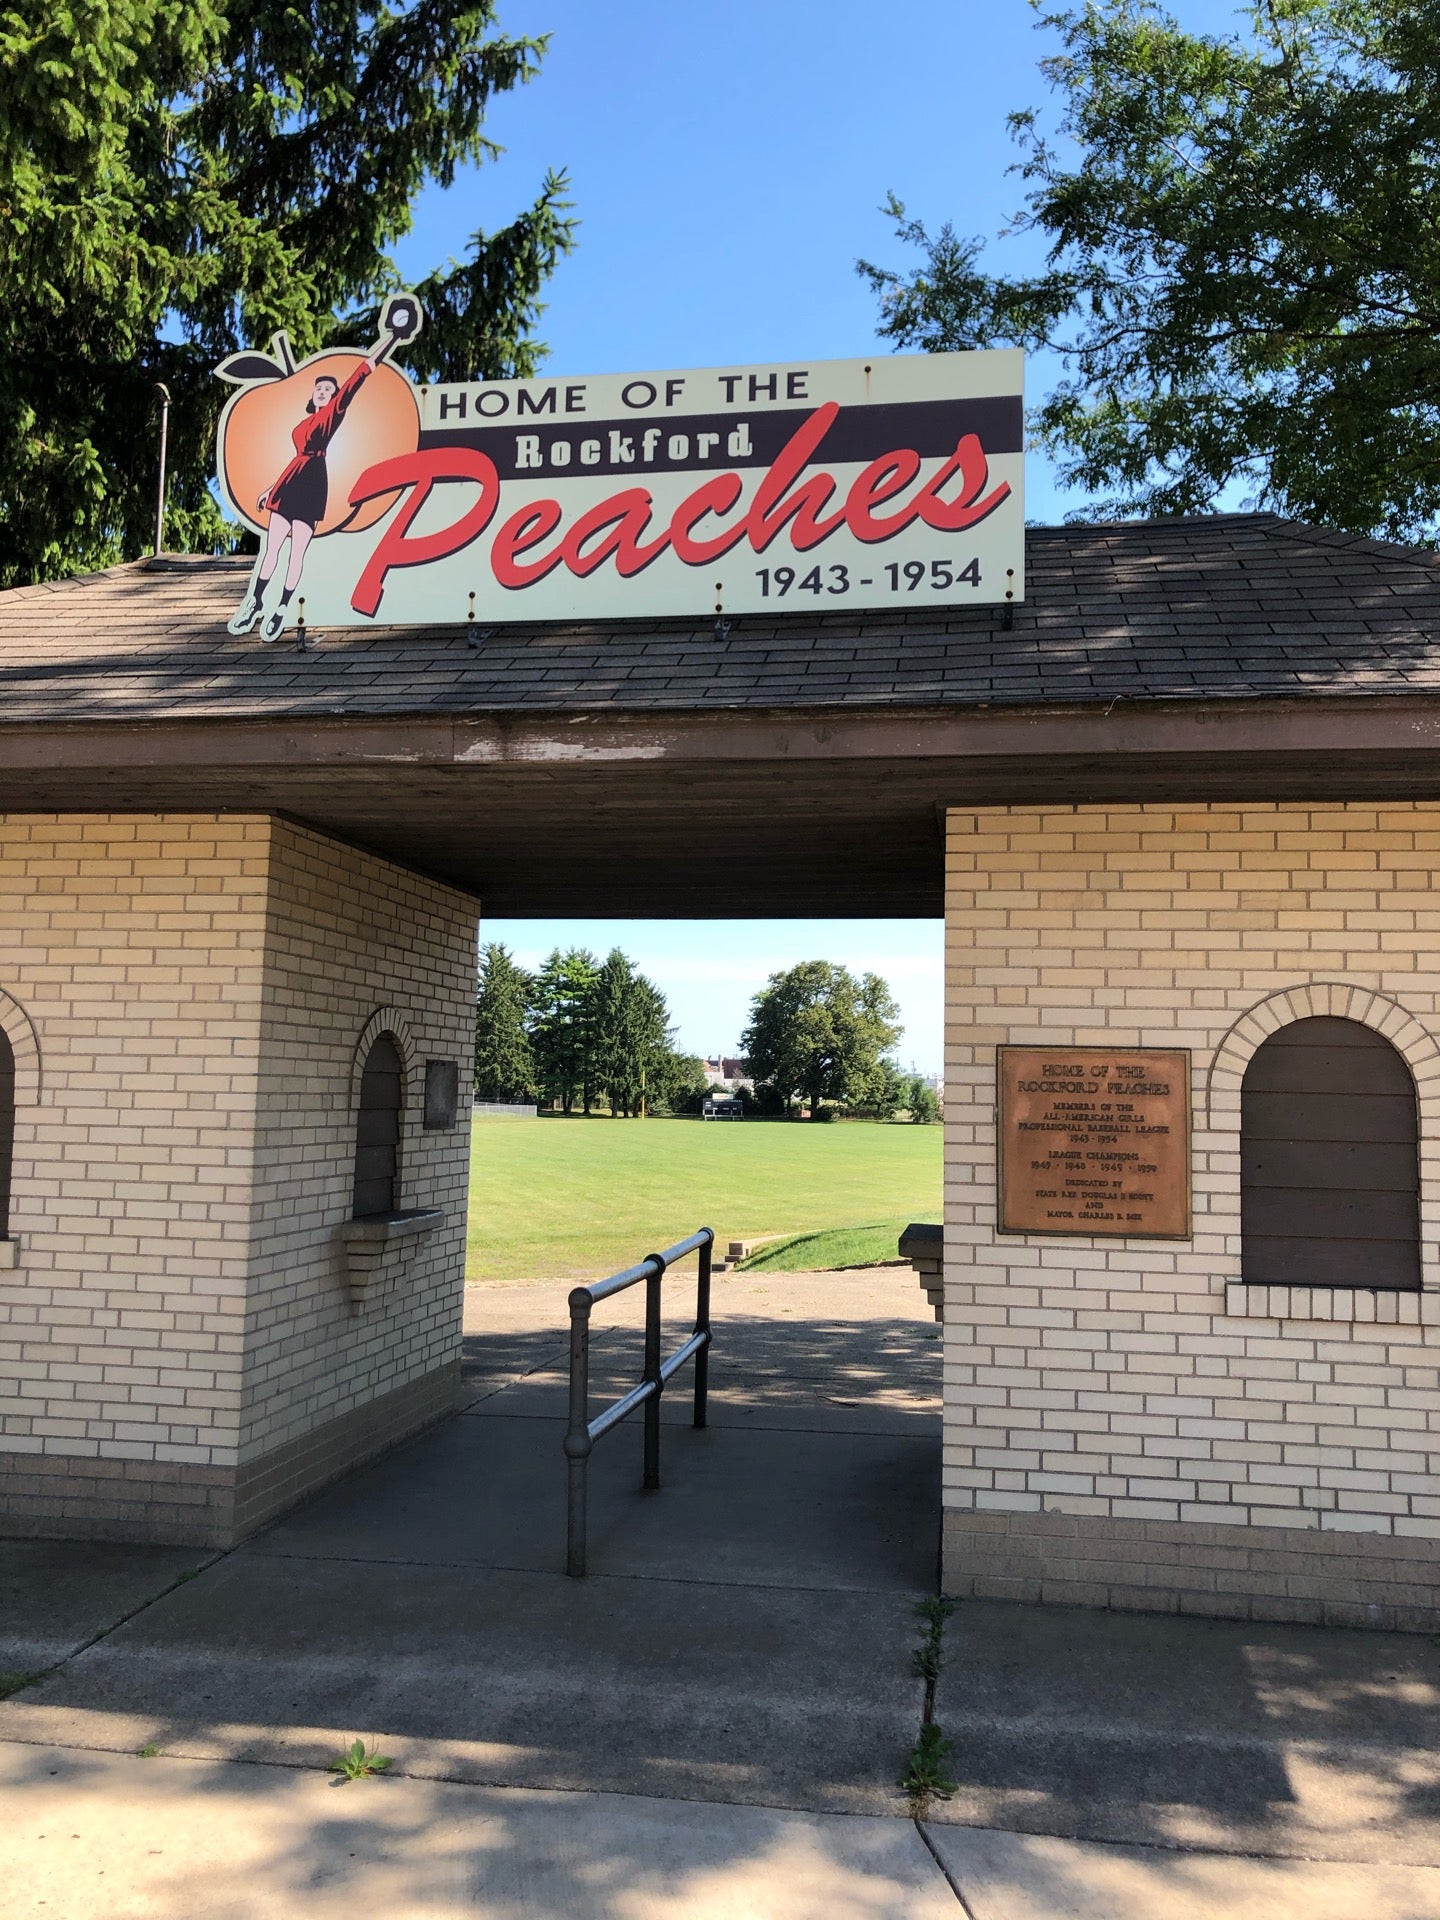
(612, 990)
(647, 1044)
(180, 180)
(1241, 263)
(504, 1058)
(562, 1032)
(818, 1031)
(632, 1035)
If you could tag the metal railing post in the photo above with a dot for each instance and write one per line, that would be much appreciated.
(702, 1325)
(581, 1431)
(578, 1443)
(653, 1283)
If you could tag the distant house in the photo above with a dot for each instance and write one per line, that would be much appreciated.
(728, 1073)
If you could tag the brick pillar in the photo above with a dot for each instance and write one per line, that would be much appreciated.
(188, 998)
(1127, 1423)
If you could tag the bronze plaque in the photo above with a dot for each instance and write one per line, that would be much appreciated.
(1095, 1140)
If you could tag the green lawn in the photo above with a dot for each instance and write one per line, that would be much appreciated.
(574, 1199)
(830, 1247)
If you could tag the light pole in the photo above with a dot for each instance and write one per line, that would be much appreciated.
(164, 393)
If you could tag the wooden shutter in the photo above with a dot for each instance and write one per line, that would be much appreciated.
(1329, 1161)
(7, 1129)
(377, 1139)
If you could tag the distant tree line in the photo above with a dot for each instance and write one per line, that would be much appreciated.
(583, 1033)
(579, 1033)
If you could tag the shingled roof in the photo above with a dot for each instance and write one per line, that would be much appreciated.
(1223, 607)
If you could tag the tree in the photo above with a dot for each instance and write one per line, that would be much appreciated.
(678, 1083)
(920, 1101)
(632, 1037)
(880, 1092)
(562, 1031)
(1242, 263)
(818, 1031)
(179, 180)
(504, 1058)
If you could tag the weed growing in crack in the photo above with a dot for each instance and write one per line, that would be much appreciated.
(358, 1762)
(149, 1751)
(13, 1682)
(928, 1658)
(926, 1777)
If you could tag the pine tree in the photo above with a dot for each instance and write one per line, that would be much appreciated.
(562, 1031)
(650, 1043)
(613, 986)
(180, 180)
(504, 1058)
(631, 1036)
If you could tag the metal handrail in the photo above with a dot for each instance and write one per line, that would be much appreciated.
(583, 1432)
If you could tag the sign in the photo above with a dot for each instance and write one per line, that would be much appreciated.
(822, 486)
(1095, 1140)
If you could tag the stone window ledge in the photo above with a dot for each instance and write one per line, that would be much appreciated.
(368, 1239)
(1356, 1305)
(373, 1229)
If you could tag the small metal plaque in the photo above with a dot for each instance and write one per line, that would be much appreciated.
(442, 1094)
(1095, 1141)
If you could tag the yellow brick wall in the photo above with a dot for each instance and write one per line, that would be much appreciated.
(134, 950)
(1138, 1381)
(185, 996)
(349, 936)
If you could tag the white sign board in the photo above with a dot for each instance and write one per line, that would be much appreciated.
(824, 486)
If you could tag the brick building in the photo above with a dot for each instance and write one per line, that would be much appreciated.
(1185, 797)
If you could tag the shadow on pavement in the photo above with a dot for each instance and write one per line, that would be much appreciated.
(111, 1837)
(1174, 1731)
(745, 1634)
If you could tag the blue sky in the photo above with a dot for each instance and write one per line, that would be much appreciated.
(728, 162)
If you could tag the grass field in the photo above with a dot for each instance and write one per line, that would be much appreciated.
(574, 1199)
(829, 1247)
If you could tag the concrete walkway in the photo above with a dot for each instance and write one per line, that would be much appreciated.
(110, 1837)
(744, 1635)
(715, 1721)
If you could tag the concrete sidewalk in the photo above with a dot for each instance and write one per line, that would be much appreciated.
(744, 1635)
(103, 1837)
(1307, 1741)
(715, 1721)
(125, 1839)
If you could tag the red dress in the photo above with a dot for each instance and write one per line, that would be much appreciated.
(303, 489)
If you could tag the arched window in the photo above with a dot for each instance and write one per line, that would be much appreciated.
(377, 1137)
(1329, 1161)
(7, 1129)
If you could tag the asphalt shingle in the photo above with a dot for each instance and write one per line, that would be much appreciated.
(1238, 606)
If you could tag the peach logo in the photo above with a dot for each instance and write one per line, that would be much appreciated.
(294, 441)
